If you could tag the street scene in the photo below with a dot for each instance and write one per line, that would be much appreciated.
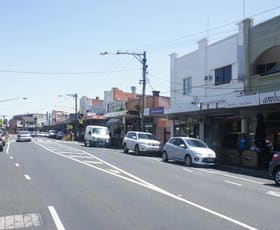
(65, 185)
(144, 115)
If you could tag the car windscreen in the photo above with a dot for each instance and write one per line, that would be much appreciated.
(196, 143)
(146, 136)
(100, 131)
(24, 133)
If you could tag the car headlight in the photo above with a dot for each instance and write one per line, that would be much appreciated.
(197, 154)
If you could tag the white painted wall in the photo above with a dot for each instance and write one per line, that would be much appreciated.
(201, 63)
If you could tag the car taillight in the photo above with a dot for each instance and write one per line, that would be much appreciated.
(275, 157)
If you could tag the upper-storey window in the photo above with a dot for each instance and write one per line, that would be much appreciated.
(223, 75)
(187, 86)
(268, 68)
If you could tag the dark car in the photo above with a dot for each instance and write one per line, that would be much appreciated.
(274, 168)
(1, 146)
(59, 135)
(52, 134)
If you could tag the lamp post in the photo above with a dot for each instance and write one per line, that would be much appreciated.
(141, 57)
(13, 99)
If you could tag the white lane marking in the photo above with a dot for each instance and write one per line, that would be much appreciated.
(188, 170)
(230, 176)
(8, 148)
(11, 157)
(27, 177)
(273, 193)
(141, 182)
(94, 162)
(231, 182)
(114, 171)
(56, 218)
(17, 164)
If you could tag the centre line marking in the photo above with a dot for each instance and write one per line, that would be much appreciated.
(17, 164)
(56, 218)
(27, 177)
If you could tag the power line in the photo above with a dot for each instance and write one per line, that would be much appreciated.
(67, 73)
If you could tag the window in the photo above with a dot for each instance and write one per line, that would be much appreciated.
(187, 86)
(268, 68)
(223, 75)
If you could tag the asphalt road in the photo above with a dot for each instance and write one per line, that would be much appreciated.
(49, 184)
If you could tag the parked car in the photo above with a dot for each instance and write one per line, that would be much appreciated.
(274, 168)
(52, 134)
(97, 136)
(191, 151)
(23, 136)
(140, 142)
(1, 146)
(59, 135)
(3, 137)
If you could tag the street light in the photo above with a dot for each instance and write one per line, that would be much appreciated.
(141, 57)
(13, 99)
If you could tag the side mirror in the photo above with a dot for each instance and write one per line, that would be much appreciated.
(89, 132)
(182, 146)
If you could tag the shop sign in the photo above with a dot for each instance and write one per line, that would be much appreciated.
(242, 101)
(157, 110)
(270, 98)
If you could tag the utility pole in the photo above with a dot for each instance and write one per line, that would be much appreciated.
(141, 57)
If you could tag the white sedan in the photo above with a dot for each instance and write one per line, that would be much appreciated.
(188, 150)
(24, 136)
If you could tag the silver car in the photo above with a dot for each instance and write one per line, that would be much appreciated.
(140, 142)
(24, 136)
(188, 150)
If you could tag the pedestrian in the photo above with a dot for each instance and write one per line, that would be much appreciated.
(242, 143)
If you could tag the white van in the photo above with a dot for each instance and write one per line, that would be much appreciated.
(97, 136)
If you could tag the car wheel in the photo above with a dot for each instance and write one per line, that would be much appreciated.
(125, 150)
(188, 160)
(277, 177)
(137, 151)
(85, 143)
(1, 149)
(164, 156)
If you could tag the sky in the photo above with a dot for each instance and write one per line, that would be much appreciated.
(51, 48)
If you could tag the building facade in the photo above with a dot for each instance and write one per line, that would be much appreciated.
(226, 85)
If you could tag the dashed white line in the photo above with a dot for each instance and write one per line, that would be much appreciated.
(17, 164)
(188, 170)
(230, 176)
(56, 218)
(233, 183)
(273, 193)
(11, 157)
(27, 177)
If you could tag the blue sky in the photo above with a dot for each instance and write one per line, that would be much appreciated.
(52, 47)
